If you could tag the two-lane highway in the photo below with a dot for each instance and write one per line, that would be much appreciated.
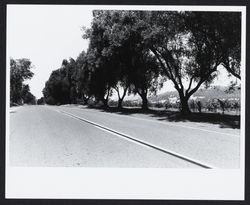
(72, 136)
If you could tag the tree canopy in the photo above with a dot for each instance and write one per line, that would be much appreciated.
(116, 48)
(135, 52)
(20, 70)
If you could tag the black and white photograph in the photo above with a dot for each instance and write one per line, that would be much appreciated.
(125, 102)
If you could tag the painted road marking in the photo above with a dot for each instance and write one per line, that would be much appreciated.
(124, 138)
(170, 124)
(170, 152)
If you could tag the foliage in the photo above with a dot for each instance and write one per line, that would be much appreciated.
(190, 46)
(135, 52)
(116, 48)
(82, 78)
(41, 101)
(27, 96)
(20, 70)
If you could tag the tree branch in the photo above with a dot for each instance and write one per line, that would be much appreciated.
(117, 90)
(168, 72)
(190, 84)
(188, 94)
(161, 63)
(231, 71)
(124, 93)
(202, 80)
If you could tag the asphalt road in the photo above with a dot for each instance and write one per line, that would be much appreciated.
(72, 136)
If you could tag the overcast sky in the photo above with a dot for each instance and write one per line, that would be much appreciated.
(48, 34)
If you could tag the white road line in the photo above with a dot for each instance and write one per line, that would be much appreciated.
(170, 152)
(172, 124)
(122, 137)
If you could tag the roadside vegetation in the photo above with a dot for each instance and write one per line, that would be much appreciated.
(135, 52)
(20, 70)
(215, 99)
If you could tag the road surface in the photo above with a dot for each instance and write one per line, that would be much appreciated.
(69, 136)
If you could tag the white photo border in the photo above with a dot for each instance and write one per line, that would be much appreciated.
(130, 183)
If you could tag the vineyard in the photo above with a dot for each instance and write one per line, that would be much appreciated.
(216, 99)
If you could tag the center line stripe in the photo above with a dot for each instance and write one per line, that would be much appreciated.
(170, 152)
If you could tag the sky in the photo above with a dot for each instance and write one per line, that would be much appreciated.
(47, 34)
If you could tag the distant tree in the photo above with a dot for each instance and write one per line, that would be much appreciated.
(82, 76)
(27, 96)
(199, 104)
(25, 90)
(233, 86)
(223, 104)
(61, 87)
(192, 105)
(20, 70)
(30, 99)
(215, 105)
(236, 106)
(71, 78)
(57, 88)
(41, 101)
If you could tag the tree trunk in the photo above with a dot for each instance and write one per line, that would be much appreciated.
(120, 98)
(144, 101)
(143, 95)
(105, 102)
(85, 100)
(105, 99)
(120, 103)
(184, 106)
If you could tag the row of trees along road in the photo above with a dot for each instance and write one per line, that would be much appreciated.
(19, 72)
(134, 52)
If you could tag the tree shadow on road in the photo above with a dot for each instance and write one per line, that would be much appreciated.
(223, 120)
